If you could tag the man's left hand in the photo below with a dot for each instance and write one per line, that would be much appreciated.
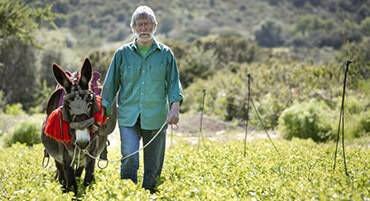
(94, 128)
(173, 115)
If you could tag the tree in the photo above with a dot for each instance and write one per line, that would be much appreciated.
(269, 35)
(198, 64)
(19, 20)
(17, 52)
(166, 24)
(18, 80)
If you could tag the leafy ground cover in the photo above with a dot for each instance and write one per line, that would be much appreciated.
(208, 171)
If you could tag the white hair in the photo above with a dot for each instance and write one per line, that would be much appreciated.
(143, 12)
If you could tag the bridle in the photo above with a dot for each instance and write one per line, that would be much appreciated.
(79, 106)
(76, 103)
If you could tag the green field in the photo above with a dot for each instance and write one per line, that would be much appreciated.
(211, 171)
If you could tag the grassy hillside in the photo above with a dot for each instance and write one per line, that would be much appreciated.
(95, 23)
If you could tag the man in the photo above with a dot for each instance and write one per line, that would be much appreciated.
(145, 74)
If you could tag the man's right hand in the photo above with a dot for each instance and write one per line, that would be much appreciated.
(173, 115)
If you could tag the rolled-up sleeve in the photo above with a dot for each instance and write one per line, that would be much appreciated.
(111, 83)
(175, 92)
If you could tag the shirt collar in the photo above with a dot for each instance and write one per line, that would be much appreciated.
(155, 44)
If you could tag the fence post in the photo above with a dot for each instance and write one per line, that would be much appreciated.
(201, 116)
(247, 119)
(341, 121)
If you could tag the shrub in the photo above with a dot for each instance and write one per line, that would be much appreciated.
(336, 38)
(5, 123)
(27, 132)
(14, 109)
(359, 72)
(359, 126)
(365, 26)
(269, 108)
(307, 120)
(357, 116)
(199, 64)
(269, 35)
(353, 105)
(309, 23)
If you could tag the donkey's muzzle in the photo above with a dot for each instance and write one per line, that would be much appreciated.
(82, 144)
(82, 138)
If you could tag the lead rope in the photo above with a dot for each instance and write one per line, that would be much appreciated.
(78, 158)
(123, 158)
(259, 118)
(74, 156)
(264, 127)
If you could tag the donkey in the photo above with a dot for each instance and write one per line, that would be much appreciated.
(78, 110)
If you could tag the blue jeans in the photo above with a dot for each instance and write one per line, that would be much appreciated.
(153, 154)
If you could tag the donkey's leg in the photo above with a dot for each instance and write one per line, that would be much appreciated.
(70, 177)
(79, 172)
(60, 175)
(89, 175)
(69, 173)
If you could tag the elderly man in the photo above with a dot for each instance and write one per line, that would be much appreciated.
(145, 75)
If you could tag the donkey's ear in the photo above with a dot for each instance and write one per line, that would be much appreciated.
(61, 77)
(86, 74)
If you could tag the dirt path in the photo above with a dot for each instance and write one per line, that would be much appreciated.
(221, 136)
(213, 129)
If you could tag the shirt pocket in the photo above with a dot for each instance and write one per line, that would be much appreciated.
(158, 71)
(129, 72)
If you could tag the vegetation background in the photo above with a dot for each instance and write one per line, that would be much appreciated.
(294, 50)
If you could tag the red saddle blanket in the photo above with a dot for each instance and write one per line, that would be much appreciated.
(53, 126)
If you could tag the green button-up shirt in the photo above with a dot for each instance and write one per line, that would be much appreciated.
(145, 85)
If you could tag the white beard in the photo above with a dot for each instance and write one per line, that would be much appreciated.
(144, 39)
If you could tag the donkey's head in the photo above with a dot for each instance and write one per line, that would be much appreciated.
(79, 104)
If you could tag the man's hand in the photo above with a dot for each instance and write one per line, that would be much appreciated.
(94, 128)
(173, 115)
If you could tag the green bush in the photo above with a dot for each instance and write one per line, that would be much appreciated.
(199, 64)
(27, 132)
(5, 123)
(356, 115)
(353, 105)
(269, 35)
(14, 109)
(365, 26)
(309, 23)
(269, 108)
(307, 120)
(359, 71)
(358, 125)
(364, 123)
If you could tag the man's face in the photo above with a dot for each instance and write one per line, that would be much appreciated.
(144, 29)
